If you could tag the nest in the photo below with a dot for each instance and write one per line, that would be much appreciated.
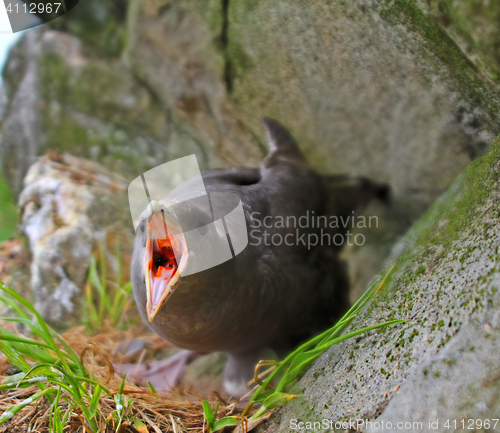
(178, 411)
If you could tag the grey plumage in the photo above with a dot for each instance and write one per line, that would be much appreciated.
(268, 295)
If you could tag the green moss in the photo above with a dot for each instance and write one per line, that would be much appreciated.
(62, 132)
(273, 65)
(421, 270)
(94, 88)
(459, 206)
(208, 12)
(430, 240)
(97, 24)
(444, 340)
(475, 26)
(413, 335)
(8, 212)
(459, 67)
(97, 110)
(462, 203)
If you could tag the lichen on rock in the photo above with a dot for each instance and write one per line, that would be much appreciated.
(65, 215)
(441, 362)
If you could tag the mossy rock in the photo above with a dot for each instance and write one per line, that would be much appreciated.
(473, 24)
(99, 25)
(439, 364)
(367, 88)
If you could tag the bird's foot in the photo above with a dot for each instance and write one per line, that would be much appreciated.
(239, 372)
(162, 375)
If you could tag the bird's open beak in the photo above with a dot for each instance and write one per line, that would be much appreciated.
(166, 254)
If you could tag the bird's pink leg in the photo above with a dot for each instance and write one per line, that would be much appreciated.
(163, 375)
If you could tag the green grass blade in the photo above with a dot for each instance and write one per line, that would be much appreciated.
(46, 335)
(227, 421)
(151, 387)
(288, 378)
(8, 414)
(209, 415)
(55, 421)
(24, 341)
(95, 401)
(13, 306)
(320, 343)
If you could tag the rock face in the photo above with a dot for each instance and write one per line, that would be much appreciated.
(373, 88)
(370, 88)
(442, 364)
(474, 25)
(68, 206)
(20, 141)
(366, 88)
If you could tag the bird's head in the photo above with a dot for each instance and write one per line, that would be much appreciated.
(177, 238)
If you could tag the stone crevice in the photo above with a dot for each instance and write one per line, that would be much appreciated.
(224, 38)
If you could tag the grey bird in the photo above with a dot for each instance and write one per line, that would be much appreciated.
(274, 293)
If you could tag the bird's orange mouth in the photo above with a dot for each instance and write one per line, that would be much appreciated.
(165, 257)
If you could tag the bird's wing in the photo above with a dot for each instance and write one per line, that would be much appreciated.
(348, 194)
